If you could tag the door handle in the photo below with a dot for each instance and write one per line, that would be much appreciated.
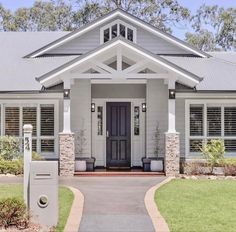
(107, 134)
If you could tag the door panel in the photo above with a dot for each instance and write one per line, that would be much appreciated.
(118, 134)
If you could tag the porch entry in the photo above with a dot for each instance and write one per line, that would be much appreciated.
(118, 134)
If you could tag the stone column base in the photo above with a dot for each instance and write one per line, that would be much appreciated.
(67, 154)
(172, 154)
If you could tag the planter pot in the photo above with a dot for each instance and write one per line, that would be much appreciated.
(80, 165)
(219, 171)
(156, 166)
(146, 164)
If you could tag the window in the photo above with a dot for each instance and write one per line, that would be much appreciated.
(136, 120)
(118, 28)
(40, 116)
(100, 118)
(208, 121)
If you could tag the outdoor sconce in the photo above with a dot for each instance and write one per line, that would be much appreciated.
(144, 107)
(92, 107)
(171, 93)
(66, 93)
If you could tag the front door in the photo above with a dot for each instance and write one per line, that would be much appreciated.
(118, 142)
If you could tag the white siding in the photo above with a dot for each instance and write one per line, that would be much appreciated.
(81, 112)
(157, 111)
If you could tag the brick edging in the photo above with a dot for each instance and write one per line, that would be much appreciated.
(75, 216)
(158, 221)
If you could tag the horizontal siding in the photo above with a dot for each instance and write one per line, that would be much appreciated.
(157, 111)
(81, 113)
(118, 91)
(180, 123)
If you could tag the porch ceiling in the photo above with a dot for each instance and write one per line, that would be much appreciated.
(120, 60)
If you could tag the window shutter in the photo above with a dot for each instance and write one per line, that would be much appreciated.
(195, 145)
(230, 121)
(196, 120)
(47, 120)
(30, 117)
(12, 121)
(47, 145)
(213, 121)
(230, 145)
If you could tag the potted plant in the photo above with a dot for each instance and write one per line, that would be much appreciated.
(213, 152)
(157, 164)
(80, 164)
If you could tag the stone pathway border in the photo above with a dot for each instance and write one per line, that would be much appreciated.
(158, 221)
(75, 216)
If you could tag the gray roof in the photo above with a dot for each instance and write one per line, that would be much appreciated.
(218, 71)
(18, 73)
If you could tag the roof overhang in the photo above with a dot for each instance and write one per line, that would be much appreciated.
(109, 16)
(58, 74)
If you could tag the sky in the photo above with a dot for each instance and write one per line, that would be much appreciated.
(178, 31)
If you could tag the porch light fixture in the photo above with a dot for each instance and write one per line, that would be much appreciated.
(144, 107)
(92, 107)
(66, 93)
(171, 93)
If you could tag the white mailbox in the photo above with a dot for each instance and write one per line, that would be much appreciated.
(43, 190)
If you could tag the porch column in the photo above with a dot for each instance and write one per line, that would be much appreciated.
(66, 138)
(172, 143)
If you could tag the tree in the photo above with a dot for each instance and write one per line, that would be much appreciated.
(214, 27)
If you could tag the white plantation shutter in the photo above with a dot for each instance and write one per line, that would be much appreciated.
(230, 145)
(12, 121)
(47, 145)
(230, 121)
(196, 120)
(30, 117)
(214, 121)
(47, 120)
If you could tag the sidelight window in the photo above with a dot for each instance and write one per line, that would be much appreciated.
(136, 120)
(99, 120)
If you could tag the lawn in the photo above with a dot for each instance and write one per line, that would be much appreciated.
(198, 205)
(65, 200)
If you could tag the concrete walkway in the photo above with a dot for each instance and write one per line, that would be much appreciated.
(114, 204)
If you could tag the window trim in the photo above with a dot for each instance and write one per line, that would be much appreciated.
(118, 22)
(34, 103)
(211, 103)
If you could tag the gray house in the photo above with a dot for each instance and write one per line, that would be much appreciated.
(109, 88)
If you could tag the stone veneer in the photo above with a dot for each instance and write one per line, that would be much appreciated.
(67, 154)
(172, 154)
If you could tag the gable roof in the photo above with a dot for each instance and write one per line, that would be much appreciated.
(111, 15)
(48, 77)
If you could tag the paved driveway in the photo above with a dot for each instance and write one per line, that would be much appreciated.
(114, 204)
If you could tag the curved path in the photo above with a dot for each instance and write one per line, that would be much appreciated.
(114, 204)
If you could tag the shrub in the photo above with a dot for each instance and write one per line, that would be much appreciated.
(13, 212)
(196, 168)
(9, 147)
(214, 152)
(36, 156)
(230, 167)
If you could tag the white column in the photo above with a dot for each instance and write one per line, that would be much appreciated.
(66, 124)
(171, 109)
(27, 159)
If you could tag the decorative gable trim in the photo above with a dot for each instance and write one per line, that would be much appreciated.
(109, 16)
(48, 77)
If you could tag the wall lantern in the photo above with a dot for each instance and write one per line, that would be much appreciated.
(171, 93)
(144, 107)
(92, 107)
(67, 93)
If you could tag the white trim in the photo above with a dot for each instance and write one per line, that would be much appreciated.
(34, 103)
(116, 43)
(221, 96)
(206, 102)
(118, 81)
(118, 13)
(118, 22)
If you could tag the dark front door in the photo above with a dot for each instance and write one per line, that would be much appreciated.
(118, 134)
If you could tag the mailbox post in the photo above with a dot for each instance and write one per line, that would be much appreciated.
(27, 159)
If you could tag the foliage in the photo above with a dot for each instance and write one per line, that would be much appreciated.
(198, 205)
(36, 156)
(214, 28)
(9, 147)
(13, 212)
(213, 152)
(230, 167)
(196, 168)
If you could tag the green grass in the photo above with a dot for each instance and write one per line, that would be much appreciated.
(66, 198)
(198, 205)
